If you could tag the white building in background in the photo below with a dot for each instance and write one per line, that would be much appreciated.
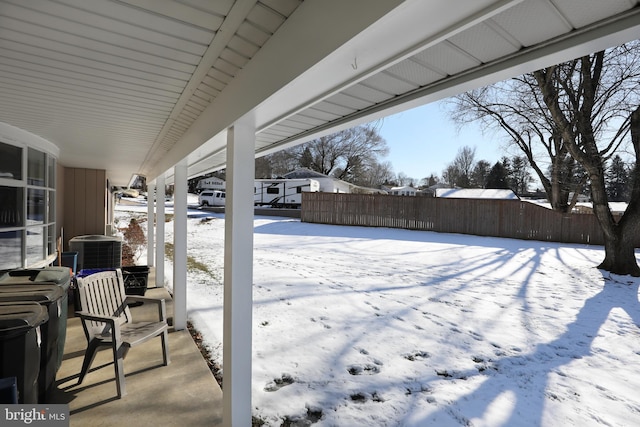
(405, 190)
(327, 183)
(476, 193)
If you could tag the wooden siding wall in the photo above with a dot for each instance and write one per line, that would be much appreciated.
(85, 203)
(498, 218)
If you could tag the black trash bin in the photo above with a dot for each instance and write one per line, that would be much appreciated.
(135, 279)
(20, 346)
(9, 391)
(59, 276)
(49, 296)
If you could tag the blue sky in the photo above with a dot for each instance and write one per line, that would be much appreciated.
(424, 140)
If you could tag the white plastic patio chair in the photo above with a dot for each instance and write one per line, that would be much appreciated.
(106, 320)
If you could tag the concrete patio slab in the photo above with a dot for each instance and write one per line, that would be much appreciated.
(185, 393)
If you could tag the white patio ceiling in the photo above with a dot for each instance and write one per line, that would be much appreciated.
(134, 86)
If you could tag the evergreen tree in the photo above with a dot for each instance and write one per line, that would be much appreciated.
(480, 174)
(520, 175)
(498, 177)
(306, 158)
(429, 181)
(617, 176)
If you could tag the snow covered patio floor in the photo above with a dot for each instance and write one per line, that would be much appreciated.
(381, 327)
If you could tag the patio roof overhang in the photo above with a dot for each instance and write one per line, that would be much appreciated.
(135, 86)
(165, 88)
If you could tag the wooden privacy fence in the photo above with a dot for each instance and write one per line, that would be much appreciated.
(499, 218)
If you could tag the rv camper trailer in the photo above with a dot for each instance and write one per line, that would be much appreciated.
(282, 193)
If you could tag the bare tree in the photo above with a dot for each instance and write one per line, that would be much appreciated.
(450, 175)
(458, 172)
(404, 179)
(276, 164)
(342, 153)
(574, 116)
(375, 174)
(349, 155)
(464, 162)
(515, 107)
(578, 95)
(263, 168)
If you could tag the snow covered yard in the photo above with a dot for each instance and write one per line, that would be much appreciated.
(379, 327)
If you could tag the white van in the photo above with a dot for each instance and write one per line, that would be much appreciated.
(211, 198)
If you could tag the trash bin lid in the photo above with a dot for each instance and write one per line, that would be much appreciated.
(95, 238)
(135, 269)
(60, 276)
(41, 293)
(18, 317)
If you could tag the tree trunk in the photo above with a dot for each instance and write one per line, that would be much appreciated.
(620, 257)
(559, 194)
(618, 237)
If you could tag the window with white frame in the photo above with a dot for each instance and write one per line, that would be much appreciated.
(27, 206)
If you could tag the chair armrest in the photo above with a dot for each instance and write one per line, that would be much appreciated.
(111, 323)
(96, 317)
(162, 310)
(142, 299)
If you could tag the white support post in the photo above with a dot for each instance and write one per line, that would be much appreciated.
(238, 273)
(151, 227)
(180, 246)
(160, 183)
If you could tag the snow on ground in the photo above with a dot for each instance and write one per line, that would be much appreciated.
(358, 326)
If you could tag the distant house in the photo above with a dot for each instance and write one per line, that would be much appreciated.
(582, 198)
(431, 190)
(476, 193)
(405, 190)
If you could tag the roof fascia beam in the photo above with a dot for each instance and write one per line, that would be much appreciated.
(603, 35)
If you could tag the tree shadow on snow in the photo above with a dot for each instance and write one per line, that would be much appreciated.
(524, 378)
